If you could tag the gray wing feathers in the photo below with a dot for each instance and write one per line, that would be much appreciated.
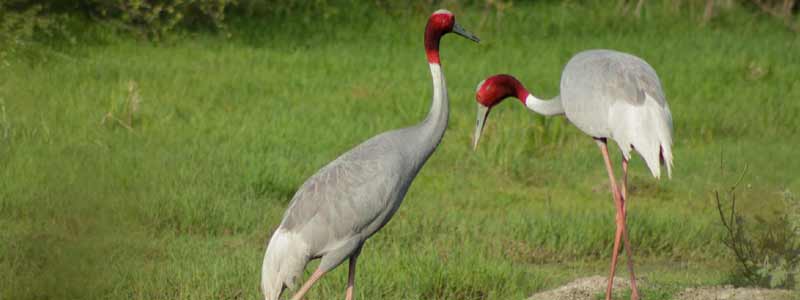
(618, 76)
(346, 201)
(333, 199)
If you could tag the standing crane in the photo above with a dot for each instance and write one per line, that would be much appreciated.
(347, 201)
(606, 94)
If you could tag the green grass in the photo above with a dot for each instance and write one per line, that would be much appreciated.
(182, 205)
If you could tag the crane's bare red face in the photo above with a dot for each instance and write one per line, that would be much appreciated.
(491, 92)
(498, 87)
(441, 22)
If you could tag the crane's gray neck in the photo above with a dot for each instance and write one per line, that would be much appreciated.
(545, 107)
(433, 127)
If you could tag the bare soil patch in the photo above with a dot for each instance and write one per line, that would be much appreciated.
(732, 293)
(582, 288)
(588, 288)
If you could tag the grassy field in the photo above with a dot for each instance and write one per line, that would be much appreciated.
(181, 205)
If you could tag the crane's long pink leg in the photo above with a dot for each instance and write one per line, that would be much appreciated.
(628, 250)
(624, 182)
(306, 286)
(351, 278)
(620, 219)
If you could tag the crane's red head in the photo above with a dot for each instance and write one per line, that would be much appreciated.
(496, 88)
(491, 92)
(440, 23)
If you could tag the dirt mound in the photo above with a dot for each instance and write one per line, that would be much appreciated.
(732, 293)
(582, 288)
(588, 288)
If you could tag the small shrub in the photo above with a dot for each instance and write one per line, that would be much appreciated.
(125, 112)
(767, 250)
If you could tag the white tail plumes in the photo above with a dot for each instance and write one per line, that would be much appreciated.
(284, 261)
(647, 128)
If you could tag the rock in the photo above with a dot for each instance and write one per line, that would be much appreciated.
(582, 289)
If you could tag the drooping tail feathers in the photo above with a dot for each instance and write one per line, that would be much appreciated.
(646, 128)
(284, 261)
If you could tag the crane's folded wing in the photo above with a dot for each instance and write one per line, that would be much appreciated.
(345, 196)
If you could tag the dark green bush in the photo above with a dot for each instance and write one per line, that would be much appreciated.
(19, 24)
(155, 18)
(150, 18)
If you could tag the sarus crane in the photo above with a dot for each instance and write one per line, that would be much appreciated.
(334, 212)
(606, 94)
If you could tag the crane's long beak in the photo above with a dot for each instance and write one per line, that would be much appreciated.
(457, 29)
(483, 112)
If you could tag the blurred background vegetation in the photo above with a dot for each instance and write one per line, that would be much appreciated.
(30, 27)
(148, 148)
(25, 20)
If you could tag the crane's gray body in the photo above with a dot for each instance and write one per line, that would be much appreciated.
(595, 80)
(610, 94)
(352, 197)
